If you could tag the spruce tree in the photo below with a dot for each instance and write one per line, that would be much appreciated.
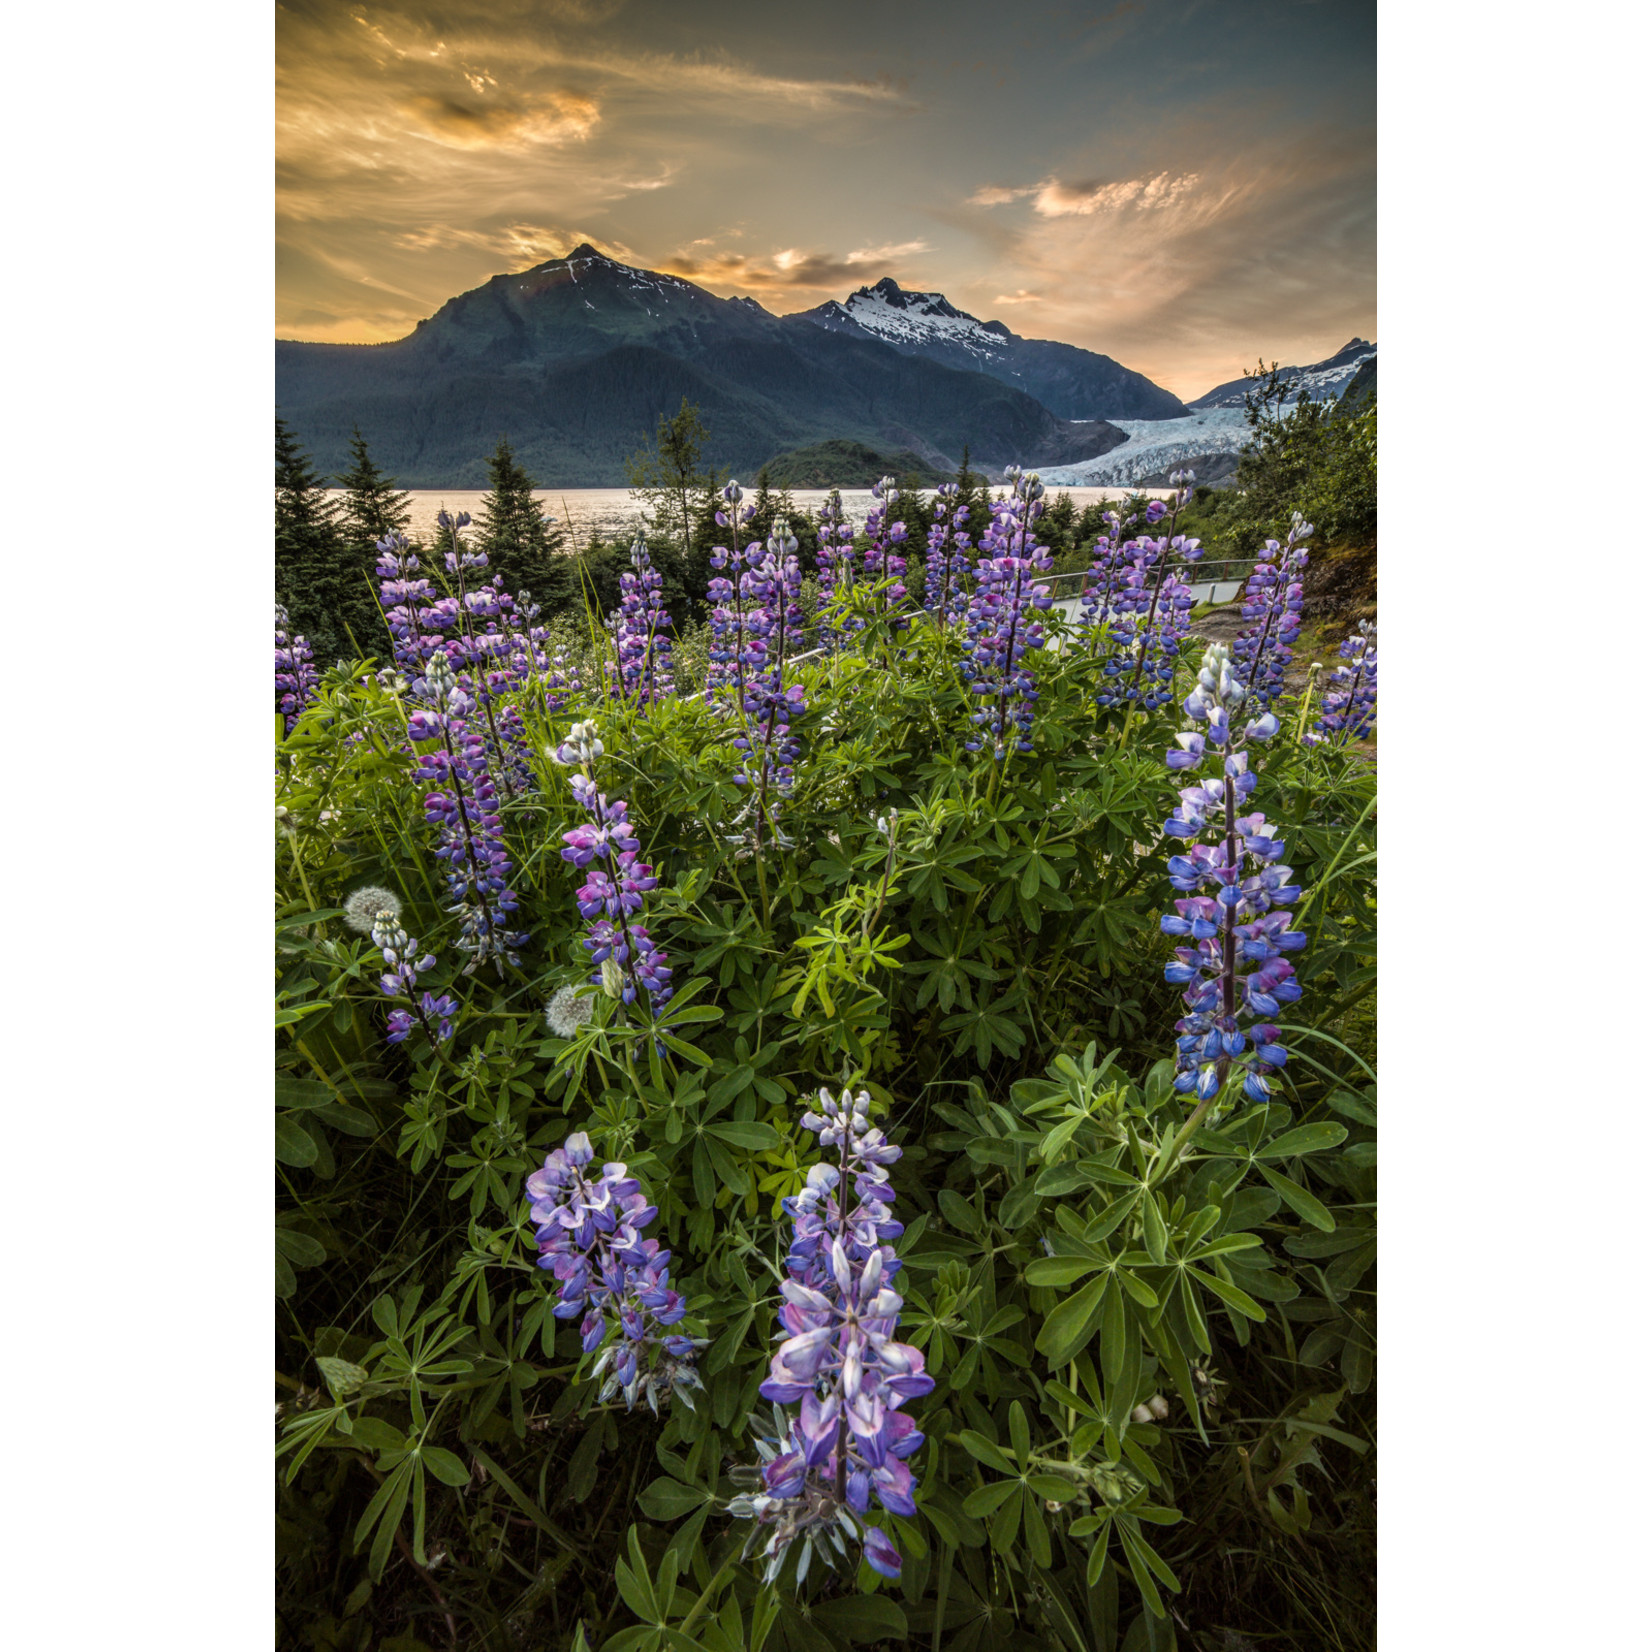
(511, 527)
(372, 507)
(312, 564)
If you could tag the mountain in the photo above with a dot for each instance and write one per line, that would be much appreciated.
(1324, 381)
(1072, 383)
(576, 360)
(1362, 387)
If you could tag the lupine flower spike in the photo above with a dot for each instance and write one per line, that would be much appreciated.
(641, 627)
(401, 980)
(1233, 969)
(611, 897)
(462, 804)
(838, 1360)
(1002, 622)
(1156, 604)
(1273, 610)
(836, 565)
(589, 1232)
(768, 748)
(730, 641)
(295, 672)
(1350, 709)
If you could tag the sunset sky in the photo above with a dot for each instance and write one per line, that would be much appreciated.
(1182, 184)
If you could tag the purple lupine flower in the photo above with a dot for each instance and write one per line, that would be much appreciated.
(1001, 624)
(730, 650)
(640, 625)
(947, 566)
(1350, 707)
(884, 560)
(1151, 604)
(606, 848)
(484, 647)
(410, 606)
(836, 567)
(1273, 612)
(295, 672)
(401, 980)
(589, 1232)
(838, 1360)
(462, 804)
(774, 587)
(1142, 609)
(1233, 891)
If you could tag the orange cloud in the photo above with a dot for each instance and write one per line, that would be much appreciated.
(560, 118)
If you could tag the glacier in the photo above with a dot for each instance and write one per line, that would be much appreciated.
(1157, 445)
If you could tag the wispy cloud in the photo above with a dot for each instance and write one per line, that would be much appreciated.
(1058, 200)
(1052, 198)
(1021, 296)
(502, 124)
(788, 268)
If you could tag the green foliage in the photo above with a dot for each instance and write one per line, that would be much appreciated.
(373, 507)
(842, 463)
(672, 477)
(1319, 458)
(321, 566)
(1152, 1344)
(522, 545)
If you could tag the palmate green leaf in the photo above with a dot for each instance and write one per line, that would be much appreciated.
(299, 1248)
(303, 1092)
(984, 1451)
(984, 1499)
(635, 1582)
(294, 1144)
(1231, 1294)
(1020, 1435)
(1038, 1534)
(445, 1465)
(1154, 1235)
(860, 1618)
(1300, 1200)
(1061, 1270)
(384, 1513)
(958, 1211)
(1306, 1138)
(755, 1138)
(1067, 1329)
(668, 1499)
(687, 1051)
(1113, 1332)
(1098, 1551)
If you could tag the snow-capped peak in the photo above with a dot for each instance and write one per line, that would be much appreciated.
(889, 312)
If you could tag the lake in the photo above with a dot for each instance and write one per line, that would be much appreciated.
(612, 512)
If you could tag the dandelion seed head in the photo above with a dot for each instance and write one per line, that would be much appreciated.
(568, 1010)
(362, 908)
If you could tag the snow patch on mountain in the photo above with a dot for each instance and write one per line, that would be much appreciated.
(899, 317)
(1157, 445)
(1322, 382)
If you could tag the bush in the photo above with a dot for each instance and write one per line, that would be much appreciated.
(1146, 1318)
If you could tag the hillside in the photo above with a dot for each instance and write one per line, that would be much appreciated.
(1073, 383)
(577, 359)
(843, 464)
